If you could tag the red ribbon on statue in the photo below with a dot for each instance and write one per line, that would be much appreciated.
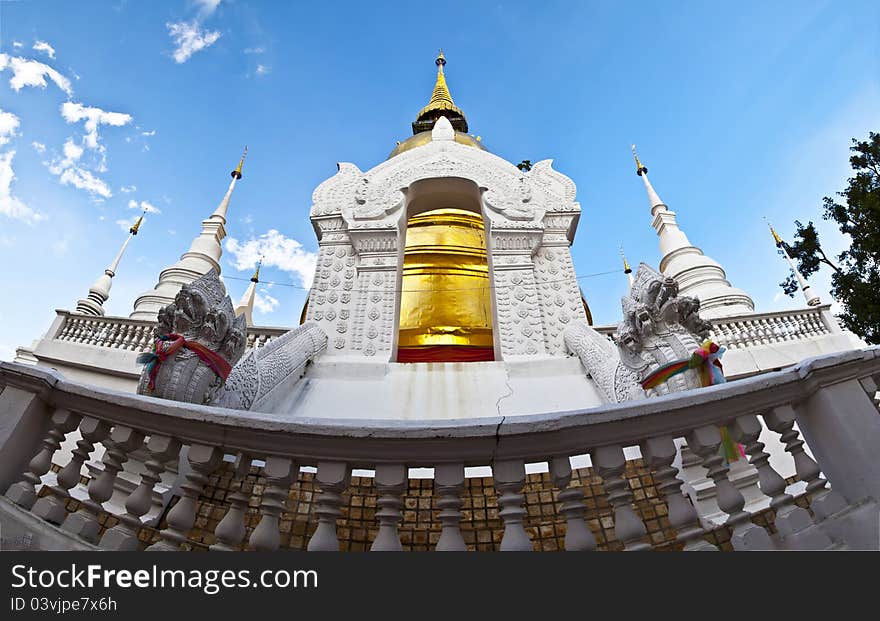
(168, 344)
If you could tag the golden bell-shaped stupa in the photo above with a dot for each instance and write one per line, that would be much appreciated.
(445, 304)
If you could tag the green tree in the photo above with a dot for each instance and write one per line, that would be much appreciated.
(855, 281)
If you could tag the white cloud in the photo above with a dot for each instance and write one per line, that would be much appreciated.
(17, 44)
(128, 189)
(26, 72)
(189, 38)
(11, 206)
(263, 69)
(72, 151)
(83, 179)
(42, 46)
(143, 206)
(152, 132)
(93, 117)
(265, 303)
(206, 7)
(254, 50)
(277, 250)
(39, 147)
(8, 126)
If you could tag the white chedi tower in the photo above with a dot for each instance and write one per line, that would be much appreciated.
(202, 256)
(99, 292)
(697, 275)
(245, 305)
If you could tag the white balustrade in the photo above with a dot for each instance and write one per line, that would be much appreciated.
(789, 400)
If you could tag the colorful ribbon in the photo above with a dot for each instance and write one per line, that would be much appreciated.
(167, 345)
(707, 361)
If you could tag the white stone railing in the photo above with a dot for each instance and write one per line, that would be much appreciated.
(742, 331)
(128, 334)
(734, 332)
(766, 328)
(827, 399)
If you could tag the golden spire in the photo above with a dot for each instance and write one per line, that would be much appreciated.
(626, 268)
(256, 276)
(641, 169)
(237, 172)
(134, 229)
(776, 237)
(440, 104)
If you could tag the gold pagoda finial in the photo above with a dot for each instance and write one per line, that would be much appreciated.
(641, 169)
(776, 237)
(237, 172)
(134, 228)
(626, 268)
(440, 104)
(256, 276)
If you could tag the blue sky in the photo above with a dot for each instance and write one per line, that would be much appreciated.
(740, 111)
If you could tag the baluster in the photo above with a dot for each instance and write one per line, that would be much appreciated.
(73, 322)
(146, 342)
(53, 508)
(823, 501)
(80, 330)
(65, 329)
(84, 523)
(133, 337)
(753, 332)
(449, 484)
(278, 471)
(24, 492)
(231, 530)
(204, 461)
(250, 340)
(705, 442)
(659, 453)
(764, 331)
(333, 478)
(578, 536)
(779, 329)
(124, 536)
(119, 335)
(793, 523)
(610, 463)
(739, 335)
(391, 480)
(95, 329)
(102, 334)
(510, 477)
(730, 335)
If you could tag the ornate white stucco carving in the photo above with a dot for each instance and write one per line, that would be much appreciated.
(201, 312)
(658, 327)
(530, 220)
(263, 369)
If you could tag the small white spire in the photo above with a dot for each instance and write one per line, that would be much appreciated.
(99, 292)
(810, 296)
(203, 256)
(245, 306)
(697, 275)
(642, 171)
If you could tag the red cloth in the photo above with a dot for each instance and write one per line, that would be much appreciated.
(445, 353)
